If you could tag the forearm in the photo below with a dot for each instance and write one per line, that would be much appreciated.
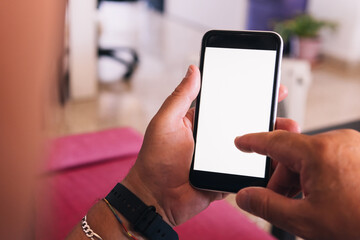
(103, 222)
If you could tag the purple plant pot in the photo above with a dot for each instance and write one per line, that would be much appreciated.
(309, 49)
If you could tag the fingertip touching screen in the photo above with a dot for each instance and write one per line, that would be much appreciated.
(236, 98)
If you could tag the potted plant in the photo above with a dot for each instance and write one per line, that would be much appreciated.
(303, 34)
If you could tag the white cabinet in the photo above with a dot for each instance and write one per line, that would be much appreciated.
(296, 76)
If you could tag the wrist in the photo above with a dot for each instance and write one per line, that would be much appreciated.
(103, 222)
(143, 218)
(135, 184)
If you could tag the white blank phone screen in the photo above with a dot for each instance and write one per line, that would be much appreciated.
(236, 97)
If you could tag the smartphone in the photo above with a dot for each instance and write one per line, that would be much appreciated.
(239, 88)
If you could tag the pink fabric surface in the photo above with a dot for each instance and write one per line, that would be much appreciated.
(65, 196)
(221, 221)
(83, 149)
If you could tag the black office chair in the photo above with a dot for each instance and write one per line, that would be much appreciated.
(113, 53)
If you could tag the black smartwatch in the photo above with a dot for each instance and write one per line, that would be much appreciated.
(144, 219)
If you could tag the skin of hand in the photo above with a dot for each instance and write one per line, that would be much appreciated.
(160, 176)
(325, 167)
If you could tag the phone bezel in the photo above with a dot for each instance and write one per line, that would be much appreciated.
(261, 40)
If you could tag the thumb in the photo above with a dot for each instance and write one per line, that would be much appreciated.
(281, 211)
(178, 103)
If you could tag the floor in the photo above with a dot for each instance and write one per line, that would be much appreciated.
(166, 47)
(333, 98)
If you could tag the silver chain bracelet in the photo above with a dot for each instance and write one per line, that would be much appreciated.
(88, 231)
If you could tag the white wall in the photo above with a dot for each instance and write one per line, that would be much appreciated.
(83, 49)
(213, 14)
(345, 43)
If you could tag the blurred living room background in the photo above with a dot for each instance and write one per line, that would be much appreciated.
(123, 58)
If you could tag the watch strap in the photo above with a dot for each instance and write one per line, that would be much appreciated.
(143, 218)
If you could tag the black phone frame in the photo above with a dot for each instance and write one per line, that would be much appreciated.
(241, 40)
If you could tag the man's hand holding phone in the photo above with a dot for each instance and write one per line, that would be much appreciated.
(160, 174)
(239, 90)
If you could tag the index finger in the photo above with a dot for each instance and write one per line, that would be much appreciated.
(283, 92)
(285, 147)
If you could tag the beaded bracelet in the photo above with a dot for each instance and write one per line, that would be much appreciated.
(119, 220)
